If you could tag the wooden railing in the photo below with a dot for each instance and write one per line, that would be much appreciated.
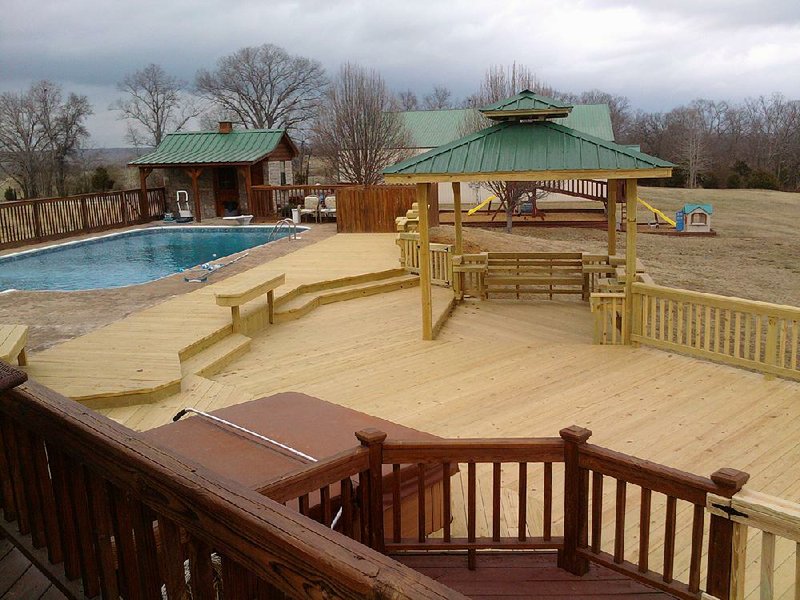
(441, 258)
(502, 465)
(104, 512)
(586, 462)
(469, 273)
(608, 309)
(580, 188)
(775, 520)
(744, 333)
(30, 221)
(268, 200)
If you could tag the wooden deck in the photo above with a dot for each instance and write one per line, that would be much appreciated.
(20, 580)
(137, 359)
(497, 369)
(526, 577)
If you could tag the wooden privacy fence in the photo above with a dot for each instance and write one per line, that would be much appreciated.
(372, 209)
(30, 221)
(104, 512)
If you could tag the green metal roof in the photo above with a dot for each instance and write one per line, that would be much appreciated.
(433, 128)
(526, 101)
(519, 147)
(211, 147)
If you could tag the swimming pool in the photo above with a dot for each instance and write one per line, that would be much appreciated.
(127, 258)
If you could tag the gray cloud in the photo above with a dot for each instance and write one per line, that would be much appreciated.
(659, 54)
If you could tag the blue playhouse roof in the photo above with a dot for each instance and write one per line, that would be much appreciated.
(706, 208)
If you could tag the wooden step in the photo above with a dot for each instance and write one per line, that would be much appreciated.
(215, 357)
(342, 282)
(303, 304)
(206, 342)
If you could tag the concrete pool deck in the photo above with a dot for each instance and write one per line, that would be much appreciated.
(138, 359)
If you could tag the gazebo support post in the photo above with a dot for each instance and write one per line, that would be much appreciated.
(611, 211)
(631, 193)
(459, 245)
(194, 174)
(425, 261)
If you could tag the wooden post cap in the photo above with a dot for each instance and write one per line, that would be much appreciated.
(732, 480)
(575, 434)
(370, 436)
(10, 377)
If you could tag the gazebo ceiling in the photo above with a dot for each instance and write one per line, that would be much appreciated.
(520, 150)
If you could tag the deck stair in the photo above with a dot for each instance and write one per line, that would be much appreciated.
(211, 358)
(305, 298)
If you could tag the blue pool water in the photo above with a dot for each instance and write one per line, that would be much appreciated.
(127, 258)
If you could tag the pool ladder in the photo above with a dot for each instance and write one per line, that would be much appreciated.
(283, 223)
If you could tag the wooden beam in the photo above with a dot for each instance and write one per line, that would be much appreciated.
(425, 261)
(631, 194)
(194, 174)
(248, 188)
(459, 249)
(611, 210)
(529, 175)
(143, 173)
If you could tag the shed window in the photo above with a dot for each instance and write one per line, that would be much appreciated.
(699, 218)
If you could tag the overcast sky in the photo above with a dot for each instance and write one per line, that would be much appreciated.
(659, 54)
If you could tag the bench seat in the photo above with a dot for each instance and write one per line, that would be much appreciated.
(235, 294)
(12, 343)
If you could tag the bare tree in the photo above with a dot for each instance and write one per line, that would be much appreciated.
(39, 132)
(440, 98)
(265, 87)
(407, 100)
(155, 104)
(355, 132)
(499, 83)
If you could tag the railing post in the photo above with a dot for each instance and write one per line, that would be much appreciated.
(771, 349)
(636, 315)
(720, 536)
(576, 502)
(84, 214)
(372, 439)
(37, 220)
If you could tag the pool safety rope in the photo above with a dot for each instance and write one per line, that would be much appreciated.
(258, 436)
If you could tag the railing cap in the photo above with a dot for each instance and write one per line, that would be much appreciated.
(11, 377)
(370, 436)
(732, 480)
(575, 433)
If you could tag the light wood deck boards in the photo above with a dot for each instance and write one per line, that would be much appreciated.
(139, 354)
(506, 369)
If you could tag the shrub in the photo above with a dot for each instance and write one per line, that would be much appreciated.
(734, 181)
(10, 194)
(762, 180)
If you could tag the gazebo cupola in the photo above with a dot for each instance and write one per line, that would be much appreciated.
(526, 106)
(526, 143)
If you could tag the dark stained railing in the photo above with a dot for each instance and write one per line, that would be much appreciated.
(31, 221)
(267, 201)
(106, 513)
(111, 514)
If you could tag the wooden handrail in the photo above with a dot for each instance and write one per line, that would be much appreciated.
(139, 481)
(475, 450)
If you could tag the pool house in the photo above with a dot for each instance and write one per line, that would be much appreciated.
(219, 168)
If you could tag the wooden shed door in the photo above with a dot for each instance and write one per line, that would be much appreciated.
(226, 184)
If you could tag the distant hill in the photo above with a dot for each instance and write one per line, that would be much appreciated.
(114, 156)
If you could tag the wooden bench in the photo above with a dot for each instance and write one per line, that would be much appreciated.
(235, 296)
(12, 343)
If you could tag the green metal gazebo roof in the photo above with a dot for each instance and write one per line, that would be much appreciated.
(518, 150)
(526, 103)
(432, 128)
(210, 147)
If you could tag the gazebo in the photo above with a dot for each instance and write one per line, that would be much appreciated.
(525, 144)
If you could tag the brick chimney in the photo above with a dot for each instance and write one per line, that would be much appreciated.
(225, 126)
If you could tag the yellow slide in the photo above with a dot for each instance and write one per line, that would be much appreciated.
(655, 211)
(472, 211)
